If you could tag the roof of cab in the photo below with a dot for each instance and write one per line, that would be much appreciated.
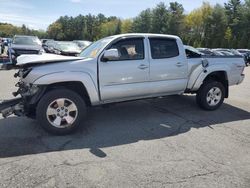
(145, 35)
(25, 36)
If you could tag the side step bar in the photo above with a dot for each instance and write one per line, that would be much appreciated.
(9, 107)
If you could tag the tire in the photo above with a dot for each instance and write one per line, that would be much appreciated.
(211, 95)
(61, 111)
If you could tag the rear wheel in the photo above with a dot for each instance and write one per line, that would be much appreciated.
(61, 111)
(211, 95)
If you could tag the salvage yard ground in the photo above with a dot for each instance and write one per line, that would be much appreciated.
(166, 142)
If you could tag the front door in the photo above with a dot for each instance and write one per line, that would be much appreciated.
(127, 76)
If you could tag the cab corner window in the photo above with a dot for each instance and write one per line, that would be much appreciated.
(129, 49)
(163, 48)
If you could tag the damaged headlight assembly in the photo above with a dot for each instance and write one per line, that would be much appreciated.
(23, 73)
(26, 90)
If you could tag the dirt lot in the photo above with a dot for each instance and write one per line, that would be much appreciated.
(165, 142)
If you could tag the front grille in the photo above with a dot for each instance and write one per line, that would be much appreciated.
(21, 52)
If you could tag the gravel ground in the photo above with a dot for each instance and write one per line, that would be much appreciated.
(166, 142)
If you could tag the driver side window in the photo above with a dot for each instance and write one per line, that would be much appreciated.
(129, 49)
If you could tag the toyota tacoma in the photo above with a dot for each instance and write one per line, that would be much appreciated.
(57, 90)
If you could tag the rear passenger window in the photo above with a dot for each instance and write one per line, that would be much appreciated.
(163, 48)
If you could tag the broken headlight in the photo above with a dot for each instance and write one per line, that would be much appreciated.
(23, 73)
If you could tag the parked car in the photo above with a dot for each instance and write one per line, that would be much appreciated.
(67, 48)
(246, 54)
(228, 51)
(7, 41)
(209, 52)
(225, 53)
(243, 51)
(45, 40)
(232, 52)
(23, 44)
(57, 90)
(1, 46)
(82, 43)
(49, 46)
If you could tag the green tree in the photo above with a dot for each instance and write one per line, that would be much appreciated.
(142, 23)
(243, 28)
(216, 27)
(127, 26)
(176, 11)
(196, 25)
(228, 37)
(233, 8)
(118, 27)
(109, 28)
(55, 31)
(160, 19)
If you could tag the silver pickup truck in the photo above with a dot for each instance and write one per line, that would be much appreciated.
(57, 90)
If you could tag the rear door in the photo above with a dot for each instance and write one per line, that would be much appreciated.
(126, 77)
(168, 65)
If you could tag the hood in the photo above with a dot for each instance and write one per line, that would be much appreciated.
(43, 58)
(71, 51)
(26, 47)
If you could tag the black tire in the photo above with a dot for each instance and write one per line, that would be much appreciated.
(46, 102)
(203, 93)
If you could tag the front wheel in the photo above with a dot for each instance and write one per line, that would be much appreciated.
(61, 111)
(211, 95)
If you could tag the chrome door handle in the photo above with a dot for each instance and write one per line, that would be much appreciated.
(179, 64)
(142, 66)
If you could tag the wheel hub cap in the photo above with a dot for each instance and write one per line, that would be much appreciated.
(214, 96)
(62, 113)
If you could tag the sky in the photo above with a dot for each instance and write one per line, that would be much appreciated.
(39, 14)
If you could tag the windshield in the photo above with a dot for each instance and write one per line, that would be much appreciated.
(67, 46)
(93, 50)
(83, 43)
(227, 53)
(26, 40)
(235, 52)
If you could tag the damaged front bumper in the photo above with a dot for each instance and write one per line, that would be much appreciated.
(26, 97)
(24, 105)
(13, 106)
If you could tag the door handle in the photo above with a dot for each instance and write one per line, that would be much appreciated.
(142, 66)
(179, 64)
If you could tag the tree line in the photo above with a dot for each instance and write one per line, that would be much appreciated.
(9, 30)
(216, 26)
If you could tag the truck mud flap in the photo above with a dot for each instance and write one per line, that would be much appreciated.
(8, 107)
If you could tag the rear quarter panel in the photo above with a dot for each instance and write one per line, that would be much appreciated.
(233, 66)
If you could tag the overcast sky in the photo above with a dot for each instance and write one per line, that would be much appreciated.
(38, 14)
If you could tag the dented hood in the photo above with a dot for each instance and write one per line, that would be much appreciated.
(43, 58)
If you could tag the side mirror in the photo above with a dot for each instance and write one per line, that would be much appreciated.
(110, 55)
